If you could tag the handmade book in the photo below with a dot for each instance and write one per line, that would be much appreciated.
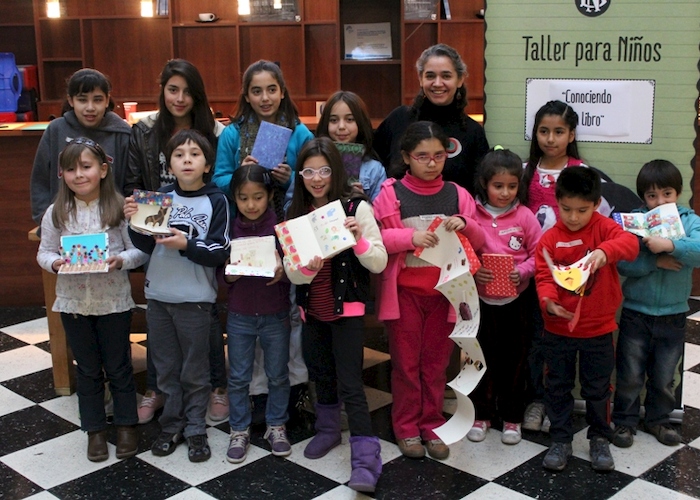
(572, 277)
(84, 253)
(153, 213)
(319, 233)
(270, 144)
(663, 221)
(456, 247)
(501, 265)
(253, 256)
(352, 154)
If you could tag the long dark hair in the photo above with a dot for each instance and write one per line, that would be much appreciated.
(359, 112)
(86, 80)
(570, 117)
(287, 111)
(414, 135)
(202, 117)
(339, 188)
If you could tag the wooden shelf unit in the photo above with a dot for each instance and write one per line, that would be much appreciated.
(111, 36)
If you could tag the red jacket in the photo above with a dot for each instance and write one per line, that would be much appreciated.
(603, 294)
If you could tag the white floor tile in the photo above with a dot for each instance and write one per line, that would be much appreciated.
(695, 443)
(372, 357)
(22, 361)
(138, 357)
(342, 492)
(336, 465)
(191, 494)
(695, 316)
(691, 356)
(178, 464)
(56, 461)
(11, 401)
(490, 458)
(640, 489)
(691, 389)
(493, 491)
(137, 337)
(44, 495)
(31, 332)
(635, 460)
(65, 407)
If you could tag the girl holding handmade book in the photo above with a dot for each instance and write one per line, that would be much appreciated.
(345, 120)
(332, 294)
(95, 308)
(512, 231)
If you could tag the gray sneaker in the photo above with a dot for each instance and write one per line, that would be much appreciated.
(546, 424)
(623, 436)
(601, 459)
(534, 413)
(276, 435)
(557, 456)
(238, 446)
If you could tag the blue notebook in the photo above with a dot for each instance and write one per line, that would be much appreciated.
(271, 144)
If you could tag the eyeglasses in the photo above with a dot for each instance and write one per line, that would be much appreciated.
(310, 173)
(425, 159)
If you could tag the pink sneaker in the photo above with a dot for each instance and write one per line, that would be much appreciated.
(150, 403)
(478, 431)
(511, 433)
(218, 405)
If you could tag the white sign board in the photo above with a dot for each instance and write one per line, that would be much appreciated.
(368, 41)
(608, 110)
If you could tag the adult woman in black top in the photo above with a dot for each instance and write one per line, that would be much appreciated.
(442, 99)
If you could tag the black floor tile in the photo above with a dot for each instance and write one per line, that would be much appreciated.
(692, 331)
(381, 424)
(30, 426)
(132, 478)
(577, 482)
(8, 342)
(14, 485)
(679, 472)
(378, 376)
(690, 430)
(37, 386)
(269, 477)
(14, 315)
(44, 346)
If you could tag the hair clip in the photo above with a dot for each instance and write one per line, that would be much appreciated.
(498, 147)
(266, 179)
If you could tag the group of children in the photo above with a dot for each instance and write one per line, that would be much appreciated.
(389, 220)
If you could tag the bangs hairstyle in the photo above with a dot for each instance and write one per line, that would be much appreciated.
(287, 112)
(339, 188)
(414, 135)
(86, 80)
(191, 135)
(360, 114)
(570, 118)
(659, 174)
(578, 182)
(202, 117)
(251, 173)
(495, 162)
(111, 202)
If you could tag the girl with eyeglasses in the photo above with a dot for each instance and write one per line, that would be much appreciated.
(419, 319)
(332, 294)
(95, 308)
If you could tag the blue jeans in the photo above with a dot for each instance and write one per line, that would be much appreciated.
(273, 331)
(651, 345)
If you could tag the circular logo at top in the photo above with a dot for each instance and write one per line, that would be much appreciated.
(592, 8)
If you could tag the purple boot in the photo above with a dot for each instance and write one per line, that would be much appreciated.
(327, 431)
(366, 461)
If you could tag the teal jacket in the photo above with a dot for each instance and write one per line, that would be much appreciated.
(660, 292)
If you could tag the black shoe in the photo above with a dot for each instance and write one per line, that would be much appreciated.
(198, 448)
(165, 443)
(557, 456)
(664, 433)
(623, 437)
(601, 459)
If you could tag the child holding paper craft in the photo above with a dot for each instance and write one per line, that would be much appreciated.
(332, 295)
(95, 309)
(181, 291)
(258, 308)
(512, 231)
(182, 105)
(419, 319)
(652, 324)
(87, 113)
(580, 322)
(264, 97)
(345, 119)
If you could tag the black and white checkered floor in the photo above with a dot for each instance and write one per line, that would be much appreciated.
(42, 450)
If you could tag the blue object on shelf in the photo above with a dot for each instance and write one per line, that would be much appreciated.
(10, 82)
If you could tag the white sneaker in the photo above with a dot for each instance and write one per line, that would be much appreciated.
(534, 414)
(478, 431)
(511, 433)
(546, 424)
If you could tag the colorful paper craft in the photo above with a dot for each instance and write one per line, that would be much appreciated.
(352, 154)
(571, 277)
(319, 233)
(501, 265)
(663, 221)
(270, 144)
(453, 246)
(84, 253)
(153, 212)
(253, 257)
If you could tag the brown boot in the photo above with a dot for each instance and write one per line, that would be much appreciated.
(127, 441)
(97, 446)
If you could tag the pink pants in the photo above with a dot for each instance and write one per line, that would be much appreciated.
(420, 350)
